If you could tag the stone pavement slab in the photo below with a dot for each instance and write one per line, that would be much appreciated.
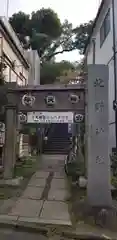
(57, 194)
(41, 174)
(58, 183)
(53, 162)
(7, 205)
(37, 182)
(59, 175)
(27, 208)
(55, 210)
(8, 220)
(33, 193)
(53, 157)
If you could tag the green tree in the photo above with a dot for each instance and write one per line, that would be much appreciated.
(50, 71)
(46, 21)
(42, 27)
(47, 35)
(81, 34)
(21, 24)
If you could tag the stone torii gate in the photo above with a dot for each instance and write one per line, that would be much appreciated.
(55, 98)
(68, 98)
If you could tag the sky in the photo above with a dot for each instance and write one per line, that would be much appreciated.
(76, 11)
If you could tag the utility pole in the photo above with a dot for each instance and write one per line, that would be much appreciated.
(115, 69)
(7, 9)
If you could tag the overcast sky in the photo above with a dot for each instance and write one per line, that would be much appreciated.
(76, 11)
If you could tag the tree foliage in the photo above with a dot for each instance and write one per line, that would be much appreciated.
(44, 32)
(82, 33)
(47, 35)
(46, 21)
(51, 71)
(21, 24)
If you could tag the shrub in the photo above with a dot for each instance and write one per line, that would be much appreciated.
(114, 181)
(114, 165)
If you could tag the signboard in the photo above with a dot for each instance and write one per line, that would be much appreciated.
(50, 117)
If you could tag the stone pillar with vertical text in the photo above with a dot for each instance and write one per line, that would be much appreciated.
(98, 189)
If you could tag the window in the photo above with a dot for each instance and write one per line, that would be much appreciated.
(105, 28)
(7, 60)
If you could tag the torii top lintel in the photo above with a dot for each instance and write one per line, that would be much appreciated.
(62, 97)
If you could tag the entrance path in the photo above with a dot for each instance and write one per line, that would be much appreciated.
(43, 206)
(44, 199)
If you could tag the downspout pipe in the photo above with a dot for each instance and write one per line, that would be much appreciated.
(115, 69)
(94, 45)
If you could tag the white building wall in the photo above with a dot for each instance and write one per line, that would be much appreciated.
(90, 55)
(104, 55)
(19, 73)
(19, 68)
(34, 71)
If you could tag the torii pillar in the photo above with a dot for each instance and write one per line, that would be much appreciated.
(9, 157)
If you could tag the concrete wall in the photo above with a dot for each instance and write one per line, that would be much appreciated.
(104, 55)
(34, 72)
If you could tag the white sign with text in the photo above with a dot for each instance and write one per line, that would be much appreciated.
(50, 117)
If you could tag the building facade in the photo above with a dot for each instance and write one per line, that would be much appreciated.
(12, 55)
(100, 49)
(17, 65)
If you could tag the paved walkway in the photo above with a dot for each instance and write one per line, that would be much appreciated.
(43, 205)
(44, 199)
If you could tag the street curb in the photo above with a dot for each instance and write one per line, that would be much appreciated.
(88, 235)
(45, 229)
